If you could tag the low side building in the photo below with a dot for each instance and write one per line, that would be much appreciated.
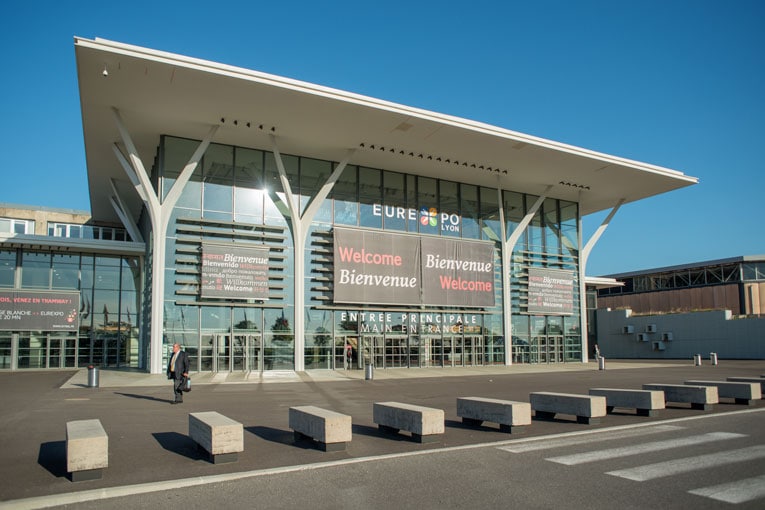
(681, 311)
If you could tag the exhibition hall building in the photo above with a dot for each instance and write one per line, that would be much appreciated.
(269, 224)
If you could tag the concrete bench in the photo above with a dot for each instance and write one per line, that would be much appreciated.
(424, 423)
(742, 392)
(87, 449)
(756, 380)
(587, 408)
(221, 437)
(510, 415)
(331, 430)
(645, 402)
(700, 397)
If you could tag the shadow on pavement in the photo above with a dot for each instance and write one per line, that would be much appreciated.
(179, 444)
(456, 424)
(145, 397)
(274, 435)
(52, 456)
(366, 430)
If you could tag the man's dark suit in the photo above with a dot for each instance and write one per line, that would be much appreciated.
(181, 367)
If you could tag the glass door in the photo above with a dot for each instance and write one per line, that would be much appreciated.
(446, 343)
(434, 347)
(474, 350)
(246, 352)
(378, 351)
(346, 353)
(372, 351)
(395, 351)
(555, 345)
(534, 350)
(221, 353)
(416, 355)
(455, 351)
(55, 351)
(238, 354)
(206, 352)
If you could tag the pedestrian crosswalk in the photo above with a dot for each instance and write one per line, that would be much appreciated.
(739, 491)
(655, 446)
(688, 464)
(734, 492)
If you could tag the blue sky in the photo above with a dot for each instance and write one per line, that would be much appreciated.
(680, 84)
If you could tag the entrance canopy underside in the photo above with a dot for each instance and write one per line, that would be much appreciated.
(162, 93)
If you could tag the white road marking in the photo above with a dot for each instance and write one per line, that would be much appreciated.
(678, 466)
(739, 491)
(593, 437)
(655, 446)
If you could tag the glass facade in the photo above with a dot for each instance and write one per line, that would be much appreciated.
(109, 312)
(549, 242)
(235, 198)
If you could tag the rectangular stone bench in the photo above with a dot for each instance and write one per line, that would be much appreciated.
(744, 393)
(510, 415)
(645, 402)
(87, 449)
(221, 437)
(424, 423)
(700, 397)
(588, 409)
(756, 380)
(331, 430)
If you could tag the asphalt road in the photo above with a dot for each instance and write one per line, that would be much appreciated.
(151, 455)
(574, 470)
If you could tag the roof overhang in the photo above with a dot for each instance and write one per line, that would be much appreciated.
(162, 93)
(601, 282)
(71, 244)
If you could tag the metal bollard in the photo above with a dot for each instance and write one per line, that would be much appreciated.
(713, 358)
(93, 377)
(369, 371)
(601, 363)
(697, 360)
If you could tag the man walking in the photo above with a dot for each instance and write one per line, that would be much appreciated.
(178, 371)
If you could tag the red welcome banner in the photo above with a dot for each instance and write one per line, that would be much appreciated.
(381, 268)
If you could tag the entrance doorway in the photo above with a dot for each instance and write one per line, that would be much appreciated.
(474, 350)
(546, 349)
(434, 352)
(453, 350)
(372, 351)
(231, 353)
(346, 353)
(246, 352)
(396, 352)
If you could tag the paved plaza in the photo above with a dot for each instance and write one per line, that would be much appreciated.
(148, 437)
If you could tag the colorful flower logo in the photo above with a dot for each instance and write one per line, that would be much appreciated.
(429, 216)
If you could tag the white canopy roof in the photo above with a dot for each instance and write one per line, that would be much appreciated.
(162, 93)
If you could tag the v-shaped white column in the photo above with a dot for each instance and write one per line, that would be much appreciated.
(584, 254)
(508, 244)
(160, 211)
(300, 225)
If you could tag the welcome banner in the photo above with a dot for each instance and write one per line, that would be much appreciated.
(234, 271)
(377, 268)
(551, 292)
(457, 273)
(382, 268)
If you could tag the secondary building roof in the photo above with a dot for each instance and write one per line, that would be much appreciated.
(163, 93)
